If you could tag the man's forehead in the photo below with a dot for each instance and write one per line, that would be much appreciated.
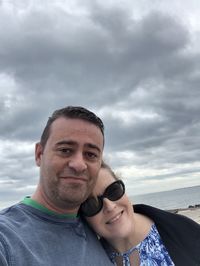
(76, 130)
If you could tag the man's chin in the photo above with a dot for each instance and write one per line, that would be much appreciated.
(73, 200)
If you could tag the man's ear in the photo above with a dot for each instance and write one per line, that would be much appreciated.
(38, 153)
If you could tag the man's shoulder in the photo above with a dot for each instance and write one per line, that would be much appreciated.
(10, 213)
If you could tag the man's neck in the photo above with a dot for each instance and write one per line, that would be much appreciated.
(44, 201)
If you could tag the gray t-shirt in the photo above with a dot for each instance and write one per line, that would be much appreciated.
(30, 237)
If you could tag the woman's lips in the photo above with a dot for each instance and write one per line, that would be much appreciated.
(115, 218)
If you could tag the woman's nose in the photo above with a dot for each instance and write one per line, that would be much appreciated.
(108, 205)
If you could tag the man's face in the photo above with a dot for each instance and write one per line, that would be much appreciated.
(69, 162)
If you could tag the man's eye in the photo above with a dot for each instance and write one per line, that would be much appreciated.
(65, 151)
(91, 155)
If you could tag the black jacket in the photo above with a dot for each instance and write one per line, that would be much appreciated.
(180, 235)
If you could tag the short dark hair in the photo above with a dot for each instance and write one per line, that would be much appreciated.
(75, 112)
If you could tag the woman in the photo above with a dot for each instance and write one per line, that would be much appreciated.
(142, 235)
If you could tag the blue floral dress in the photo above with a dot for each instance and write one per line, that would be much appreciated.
(152, 251)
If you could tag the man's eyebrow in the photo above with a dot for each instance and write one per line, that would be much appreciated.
(71, 142)
(65, 142)
(92, 146)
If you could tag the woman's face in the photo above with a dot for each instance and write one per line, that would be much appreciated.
(115, 220)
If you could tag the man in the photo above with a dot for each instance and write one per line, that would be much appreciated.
(45, 229)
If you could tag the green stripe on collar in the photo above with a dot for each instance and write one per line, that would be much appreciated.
(35, 204)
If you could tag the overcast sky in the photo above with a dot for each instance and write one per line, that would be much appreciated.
(136, 64)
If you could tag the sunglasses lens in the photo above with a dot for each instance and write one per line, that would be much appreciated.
(94, 205)
(115, 191)
(91, 206)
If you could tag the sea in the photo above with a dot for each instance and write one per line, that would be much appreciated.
(169, 200)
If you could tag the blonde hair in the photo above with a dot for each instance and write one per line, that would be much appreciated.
(107, 167)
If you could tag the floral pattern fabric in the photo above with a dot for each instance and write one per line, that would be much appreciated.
(152, 251)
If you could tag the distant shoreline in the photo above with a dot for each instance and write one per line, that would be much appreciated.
(190, 207)
(192, 212)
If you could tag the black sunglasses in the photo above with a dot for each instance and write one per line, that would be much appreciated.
(93, 205)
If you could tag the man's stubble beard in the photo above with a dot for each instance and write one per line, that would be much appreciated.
(69, 195)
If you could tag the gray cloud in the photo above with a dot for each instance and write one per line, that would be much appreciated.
(135, 67)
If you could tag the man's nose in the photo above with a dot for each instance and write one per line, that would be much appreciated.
(108, 205)
(77, 163)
